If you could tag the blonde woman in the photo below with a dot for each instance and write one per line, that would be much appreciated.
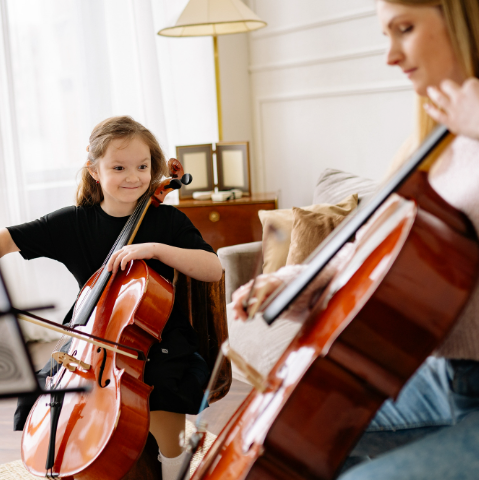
(432, 430)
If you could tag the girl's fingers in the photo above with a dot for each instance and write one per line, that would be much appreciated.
(125, 260)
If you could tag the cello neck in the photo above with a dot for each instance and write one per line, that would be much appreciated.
(127, 235)
(422, 159)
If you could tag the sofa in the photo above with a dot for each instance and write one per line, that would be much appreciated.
(259, 344)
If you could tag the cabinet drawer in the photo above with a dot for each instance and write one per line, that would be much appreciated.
(223, 225)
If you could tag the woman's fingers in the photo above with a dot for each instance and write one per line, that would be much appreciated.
(238, 298)
(440, 99)
(435, 113)
(450, 88)
(263, 288)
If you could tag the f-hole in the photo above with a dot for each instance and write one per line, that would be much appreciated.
(107, 382)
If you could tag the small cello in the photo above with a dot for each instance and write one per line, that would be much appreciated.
(101, 434)
(372, 327)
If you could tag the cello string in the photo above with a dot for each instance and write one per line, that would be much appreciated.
(125, 233)
(101, 279)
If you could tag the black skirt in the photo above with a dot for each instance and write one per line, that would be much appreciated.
(178, 374)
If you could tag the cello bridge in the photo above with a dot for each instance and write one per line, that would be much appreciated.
(69, 362)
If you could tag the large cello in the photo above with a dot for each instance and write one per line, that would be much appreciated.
(373, 326)
(101, 434)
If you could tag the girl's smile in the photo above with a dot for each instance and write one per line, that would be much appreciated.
(124, 174)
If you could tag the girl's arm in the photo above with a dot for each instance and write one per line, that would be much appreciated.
(197, 264)
(7, 245)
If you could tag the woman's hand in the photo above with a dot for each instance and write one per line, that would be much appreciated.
(264, 286)
(456, 106)
(139, 251)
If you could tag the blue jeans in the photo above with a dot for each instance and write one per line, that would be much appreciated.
(430, 432)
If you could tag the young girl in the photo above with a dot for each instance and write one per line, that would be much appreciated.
(435, 419)
(124, 162)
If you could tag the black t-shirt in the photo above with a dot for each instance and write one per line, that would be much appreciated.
(82, 237)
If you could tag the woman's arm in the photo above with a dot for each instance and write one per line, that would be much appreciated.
(266, 284)
(456, 106)
(197, 264)
(7, 245)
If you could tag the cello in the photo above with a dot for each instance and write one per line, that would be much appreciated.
(102, 433)
(375, 323)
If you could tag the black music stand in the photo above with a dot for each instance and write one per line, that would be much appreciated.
(17, 375)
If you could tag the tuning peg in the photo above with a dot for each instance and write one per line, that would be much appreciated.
(174, 184)
(186, 179)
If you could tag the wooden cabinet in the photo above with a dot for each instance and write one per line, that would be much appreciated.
(228, 223)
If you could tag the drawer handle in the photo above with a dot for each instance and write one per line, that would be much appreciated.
(214, 216)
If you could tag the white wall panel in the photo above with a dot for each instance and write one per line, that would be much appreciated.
(281, 14)
(318, 40)
(322, 95)
(301, 137)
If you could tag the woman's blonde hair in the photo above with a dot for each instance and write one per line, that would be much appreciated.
(89, 192)
(462, 21)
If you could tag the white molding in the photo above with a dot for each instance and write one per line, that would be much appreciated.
(344, 17)
(365, 89)
(337, 57)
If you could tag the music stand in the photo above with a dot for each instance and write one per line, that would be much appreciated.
(17, 375)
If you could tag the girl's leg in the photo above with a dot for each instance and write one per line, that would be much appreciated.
(166, 428)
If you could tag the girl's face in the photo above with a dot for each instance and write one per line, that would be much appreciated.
(124, 173)
(419, 44)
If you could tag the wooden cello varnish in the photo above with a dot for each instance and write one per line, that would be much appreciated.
(371, 329)
(101, 434)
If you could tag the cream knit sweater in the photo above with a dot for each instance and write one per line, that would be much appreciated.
(456, 178)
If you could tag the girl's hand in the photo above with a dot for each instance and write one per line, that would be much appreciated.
(456, 106)
(265, 285)
(140, 251)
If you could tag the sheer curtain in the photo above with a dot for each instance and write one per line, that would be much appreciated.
(65, 65)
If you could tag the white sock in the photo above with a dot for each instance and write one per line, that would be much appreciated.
(170, 467)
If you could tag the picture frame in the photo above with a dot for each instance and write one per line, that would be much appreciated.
(198, 161)
(233, 166)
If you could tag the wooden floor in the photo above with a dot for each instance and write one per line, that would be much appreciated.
(216, 415)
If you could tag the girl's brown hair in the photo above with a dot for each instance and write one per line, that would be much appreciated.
(89, 192)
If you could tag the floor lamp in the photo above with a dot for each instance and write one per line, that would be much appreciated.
(214, 17)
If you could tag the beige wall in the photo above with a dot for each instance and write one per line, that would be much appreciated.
(321, 95)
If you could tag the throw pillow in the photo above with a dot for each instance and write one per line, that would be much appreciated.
(275, 250)
(334, 185)
(309, 230)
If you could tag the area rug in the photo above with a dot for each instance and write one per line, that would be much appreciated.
(16, 471)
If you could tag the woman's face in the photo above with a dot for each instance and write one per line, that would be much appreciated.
(419, 44)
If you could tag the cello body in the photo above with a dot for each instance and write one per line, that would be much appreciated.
(374, 325)
(102, 433)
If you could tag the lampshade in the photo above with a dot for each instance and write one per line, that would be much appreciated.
(214, 17)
